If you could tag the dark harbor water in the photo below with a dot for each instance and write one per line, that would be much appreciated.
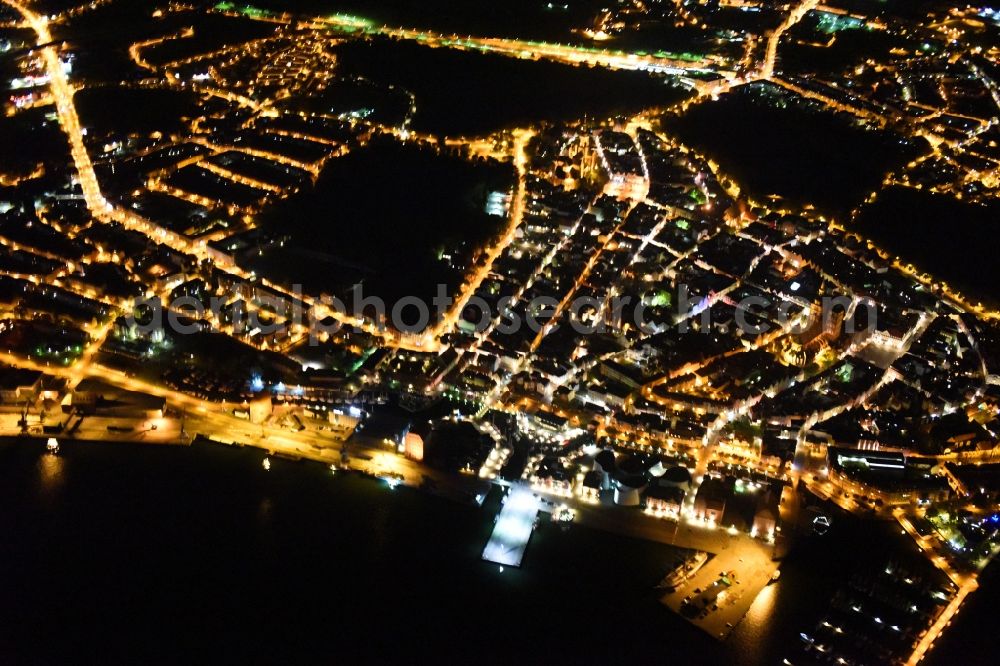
(973, 639)
(115, 553)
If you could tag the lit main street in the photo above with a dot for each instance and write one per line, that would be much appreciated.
(62, 92)
(514, 218)
(774, 39)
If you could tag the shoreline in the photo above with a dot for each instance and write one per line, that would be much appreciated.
(372, 463)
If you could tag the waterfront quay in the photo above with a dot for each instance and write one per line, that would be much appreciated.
(328, 446)
(748, 561)
(740, 569)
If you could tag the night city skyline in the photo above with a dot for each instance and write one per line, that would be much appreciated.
(501, 331)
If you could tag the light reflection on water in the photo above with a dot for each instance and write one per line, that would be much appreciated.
(778, 612)
(50, 474)
(264, 510)
(761, 609)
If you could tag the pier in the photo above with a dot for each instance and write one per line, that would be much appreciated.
(513, 528)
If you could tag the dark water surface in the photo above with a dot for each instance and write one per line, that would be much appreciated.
(113, 552)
